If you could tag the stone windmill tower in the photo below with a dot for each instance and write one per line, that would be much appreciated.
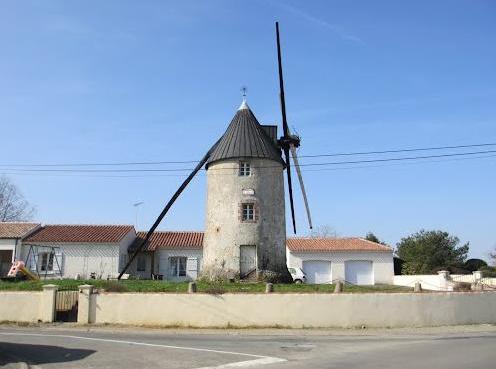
(245, 234)
(245, 228)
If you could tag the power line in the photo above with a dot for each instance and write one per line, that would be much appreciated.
(441, 160)
(401, 159)
(398, 150)
(408, 158)
(156, 175)
(301, 156)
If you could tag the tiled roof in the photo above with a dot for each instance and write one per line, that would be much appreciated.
(16, 229)
(80, 233)
(194, 240)
(245, 138)
(170, 240)
(334, 244)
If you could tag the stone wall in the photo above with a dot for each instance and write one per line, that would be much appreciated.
(224, 231)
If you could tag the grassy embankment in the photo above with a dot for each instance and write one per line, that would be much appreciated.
(202, 287)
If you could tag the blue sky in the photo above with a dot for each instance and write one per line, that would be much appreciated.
(119, 81)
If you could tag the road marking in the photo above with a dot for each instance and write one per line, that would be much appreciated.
(261, 359)
(248, 363)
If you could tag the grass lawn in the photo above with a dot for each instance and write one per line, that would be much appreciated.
(202, 287)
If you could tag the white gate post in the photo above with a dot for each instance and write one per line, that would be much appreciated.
(477, 276)
(85, 304)
(47, 307)
(444, 284)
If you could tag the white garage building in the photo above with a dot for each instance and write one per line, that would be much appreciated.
(354, 260)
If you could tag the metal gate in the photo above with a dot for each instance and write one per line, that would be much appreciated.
(66, 304)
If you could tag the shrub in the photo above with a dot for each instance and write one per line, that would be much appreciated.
(488, 272)
(461, 286)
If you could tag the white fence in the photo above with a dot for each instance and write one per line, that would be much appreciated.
(444, 281)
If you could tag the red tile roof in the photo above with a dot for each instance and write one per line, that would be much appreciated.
(170, 240)
(194, 240)
(334, 244)
(80, 233)
(16, 229)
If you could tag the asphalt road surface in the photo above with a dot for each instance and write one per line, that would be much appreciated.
(62, 347)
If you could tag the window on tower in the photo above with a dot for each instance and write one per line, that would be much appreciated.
(248, 212)
(244, 169)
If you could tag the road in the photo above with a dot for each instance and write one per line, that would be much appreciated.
(472, 347)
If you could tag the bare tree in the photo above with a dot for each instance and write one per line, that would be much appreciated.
(13, 205)
(323, 231)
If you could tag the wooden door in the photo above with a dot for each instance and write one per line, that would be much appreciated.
(247, 259)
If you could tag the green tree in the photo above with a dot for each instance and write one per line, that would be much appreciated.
(474, 264)
(372, 237)
(426, 252)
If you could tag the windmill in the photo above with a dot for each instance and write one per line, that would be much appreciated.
(245, 176)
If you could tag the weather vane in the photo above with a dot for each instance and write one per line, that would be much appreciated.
(243, 92)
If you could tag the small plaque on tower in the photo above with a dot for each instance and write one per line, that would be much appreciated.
(248, 191)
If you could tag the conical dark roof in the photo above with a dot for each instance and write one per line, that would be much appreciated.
(245, 138)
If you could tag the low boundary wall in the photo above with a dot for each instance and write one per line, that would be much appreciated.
(21, 306)
(28, 306)
(259, 310)
(443, 280)
(295, 310)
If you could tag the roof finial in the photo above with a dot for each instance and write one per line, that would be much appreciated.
(243, 105)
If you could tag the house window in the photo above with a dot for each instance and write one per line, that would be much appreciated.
(46, 261)
(247, 212)
(177, 266)
(244, 169)
(141, 263)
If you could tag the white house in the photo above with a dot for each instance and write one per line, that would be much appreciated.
(354, 260)
(172, 256)
(83, 251)
(11, 237)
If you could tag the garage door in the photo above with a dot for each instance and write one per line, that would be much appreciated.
(359, 272)
(317, 271)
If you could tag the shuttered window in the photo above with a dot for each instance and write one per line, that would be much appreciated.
(177, 266)
(46, 261)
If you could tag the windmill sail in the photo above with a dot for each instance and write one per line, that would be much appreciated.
(302, 185)
(167, 207)
(285, 140)
(289, 142)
